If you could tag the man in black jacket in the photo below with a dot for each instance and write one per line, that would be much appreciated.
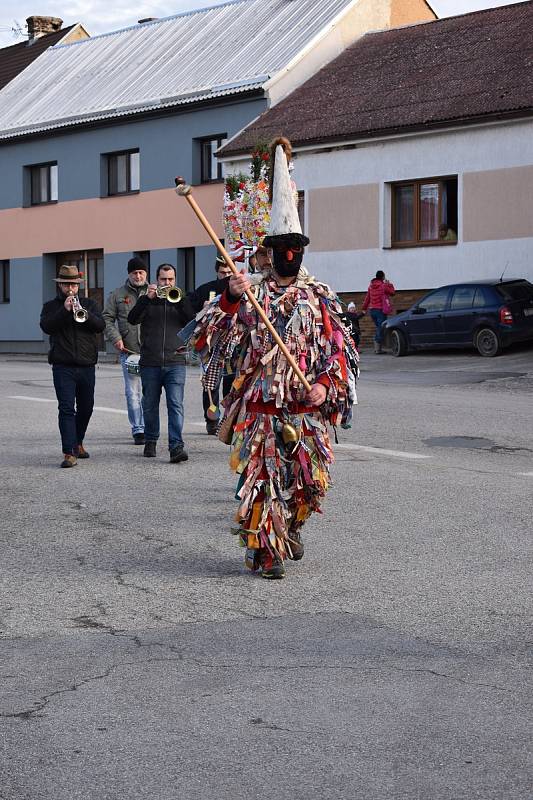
(162, 366)
(73, 354)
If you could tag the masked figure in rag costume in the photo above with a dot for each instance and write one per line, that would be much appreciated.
(279, 438)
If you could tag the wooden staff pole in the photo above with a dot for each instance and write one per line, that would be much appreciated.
(184, 190)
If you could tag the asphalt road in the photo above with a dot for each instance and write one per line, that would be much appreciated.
(138, 658)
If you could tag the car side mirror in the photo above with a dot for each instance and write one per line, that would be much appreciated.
(418, 310)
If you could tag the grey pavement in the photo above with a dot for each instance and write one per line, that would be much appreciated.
(139, 659)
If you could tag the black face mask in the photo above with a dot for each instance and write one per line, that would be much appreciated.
(287, 269)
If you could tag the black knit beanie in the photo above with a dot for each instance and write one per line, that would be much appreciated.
(136, 263)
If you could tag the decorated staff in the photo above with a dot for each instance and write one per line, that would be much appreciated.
(295, 365)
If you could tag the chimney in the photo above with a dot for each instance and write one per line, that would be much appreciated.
(40, 26)
(147, 19)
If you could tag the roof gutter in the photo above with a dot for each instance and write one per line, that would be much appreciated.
(95, 121)
(407, 133)
(119, 114)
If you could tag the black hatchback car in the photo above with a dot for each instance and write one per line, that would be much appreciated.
(487, 315)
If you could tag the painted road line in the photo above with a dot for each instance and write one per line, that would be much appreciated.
(526, 474)
(49, 400)
(379, 451)
(35, 399)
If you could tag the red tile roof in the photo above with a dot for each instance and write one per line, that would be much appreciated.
(450, 71)
(18, 56)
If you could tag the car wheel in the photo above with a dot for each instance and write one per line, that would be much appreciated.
(398, 343)
(487, 342)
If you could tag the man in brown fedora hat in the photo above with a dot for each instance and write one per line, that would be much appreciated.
(72, 323)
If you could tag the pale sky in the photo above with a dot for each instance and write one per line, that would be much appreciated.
(101, 16)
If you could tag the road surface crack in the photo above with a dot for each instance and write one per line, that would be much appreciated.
(164, 544)
(43, 702)
(84, 621)
(455, 678)
(119, 577)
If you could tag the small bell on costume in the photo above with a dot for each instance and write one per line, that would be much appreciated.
(213, 412)
(290, 436)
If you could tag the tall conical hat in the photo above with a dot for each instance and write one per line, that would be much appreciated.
(285, 225)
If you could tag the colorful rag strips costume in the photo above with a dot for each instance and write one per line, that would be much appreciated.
(279, 488)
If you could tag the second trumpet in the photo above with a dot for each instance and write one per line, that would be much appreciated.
(171, 293)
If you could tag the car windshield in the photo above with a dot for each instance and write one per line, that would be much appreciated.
(519, 290)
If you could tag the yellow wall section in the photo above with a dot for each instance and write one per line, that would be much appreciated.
(146, 221)
(344, 218)
(497, 204)
(406, 12)
(75, 35)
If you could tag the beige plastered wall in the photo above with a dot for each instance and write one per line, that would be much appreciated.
(146, 221)
(364, 16)
(497, 204)
(405, 12)
(344, 218)
(75, 35)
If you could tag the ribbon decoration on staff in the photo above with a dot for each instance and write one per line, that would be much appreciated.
(184, 190)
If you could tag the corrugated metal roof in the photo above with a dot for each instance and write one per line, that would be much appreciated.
(180, 59)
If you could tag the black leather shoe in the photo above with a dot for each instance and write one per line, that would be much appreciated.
(211, 427)
(138, 438)
(274, 572)
(81, 452)
(178, 454)
(150, 450)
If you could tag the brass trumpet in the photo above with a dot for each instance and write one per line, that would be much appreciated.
(171, 293)
(80, 313)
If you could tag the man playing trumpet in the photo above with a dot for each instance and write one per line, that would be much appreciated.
(73, 354)
(161, 313)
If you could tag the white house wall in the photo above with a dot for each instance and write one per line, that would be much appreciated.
(347, 207)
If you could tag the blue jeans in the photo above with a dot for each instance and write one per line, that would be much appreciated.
(75, 400)
(133, 390)
(378, 318)
(172, 379)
